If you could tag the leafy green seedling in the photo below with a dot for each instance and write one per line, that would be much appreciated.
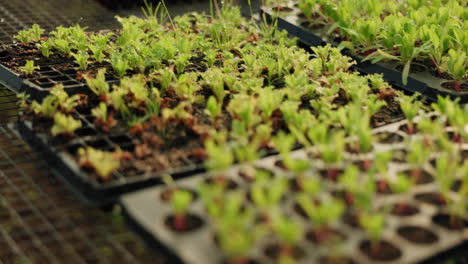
(322, 214)
(29, 35)
(103, 119)
(98, 85)
(220, 156)
(46, 47)
(102, 162)
(213, 108)
(64, 125)
(418, 155)
(374, 224)
(410, 105)
(289, 233)
(180, 201)
(456, 64)
(401, 184)
(82, 59)
(29, 67)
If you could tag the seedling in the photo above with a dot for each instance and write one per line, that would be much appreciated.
(102, 162)
(419, 153)
(82, 59)
(289, 233)
(180, 201)
(32, 34)
(401, 184)
(98, 85)
(456, 64)
(373, 223)
(322, 214)
(410, 107)
(29, 67)
(64, 125)
(103, 119)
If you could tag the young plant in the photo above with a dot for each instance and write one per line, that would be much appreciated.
(213, 109)
(289, 232)
(29, 67)
(104, 120)
(98, 84)
(456, 64)
(64, 125)
(374, 224)
(29, 35)
(322, 214)
(418, 155)
(266, 194)
(401, 184)
(102, 162)
(82, 59)
(119, 64)
(46, 47)
(410, 105)
(180, 201)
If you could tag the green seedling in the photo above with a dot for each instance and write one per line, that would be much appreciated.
(322, 214)
(180, 201)
(418, 155)
(98, 84)
(410, 107)
(29, 68)
(103, 119)
(46, 47)
(64, 125)
(456, 64)
(82, 59)
(32, 34)
(289, 232)
(374, 224)
(102, 162)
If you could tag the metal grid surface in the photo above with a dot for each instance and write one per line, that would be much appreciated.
(16, 15)
(42, 222)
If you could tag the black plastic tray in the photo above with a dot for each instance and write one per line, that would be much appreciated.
(48, 76)
(423, 83)
(60, 157)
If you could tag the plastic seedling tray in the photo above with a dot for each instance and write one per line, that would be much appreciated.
(422, 81)
(60, 156)
(49, 74)
(149, 213)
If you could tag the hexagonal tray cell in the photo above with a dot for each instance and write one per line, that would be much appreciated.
(418, 233)
(418, 81)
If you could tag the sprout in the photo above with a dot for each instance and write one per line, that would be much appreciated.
(29, 35)
(102, 162)
(82, 59)
(29, 67)
(98, 85)
(64, 125)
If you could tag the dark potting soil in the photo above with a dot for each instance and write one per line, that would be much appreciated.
(336, 260)
(274, 251)
(453, 223)
(404, 209)
(381, 251)
(417, 235)
(192, 222)
(388, 138)
(431, 198)
(420, 176)
(325, 236)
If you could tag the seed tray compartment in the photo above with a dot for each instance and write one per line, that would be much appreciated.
(148, 213)
(422, 81)
(60, 156)
(49, 74)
